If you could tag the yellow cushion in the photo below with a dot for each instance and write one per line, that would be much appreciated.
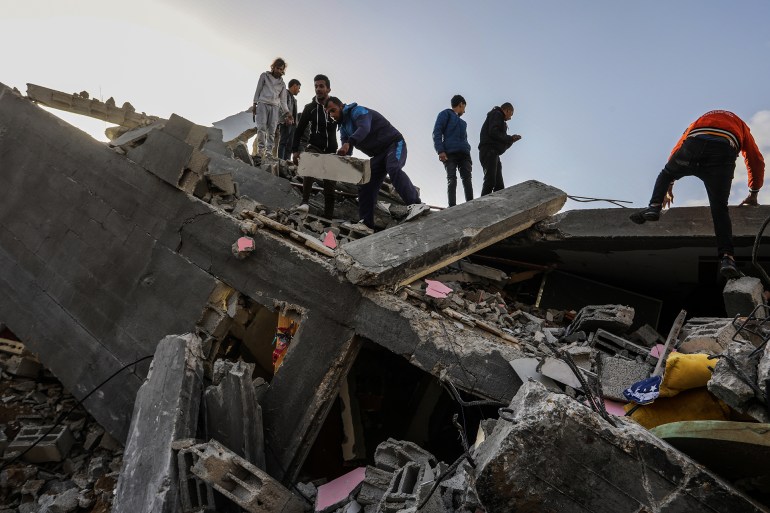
(685, 372)
(695, 404)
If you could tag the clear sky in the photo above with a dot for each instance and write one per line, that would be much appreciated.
(602, 88)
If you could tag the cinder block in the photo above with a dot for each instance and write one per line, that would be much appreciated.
(241, 482)
(374, 486)
(743, 295)
(196, 495)
(334, 167)
(615, 318)
(712, 337)
(614, 344)
(53, 447)
(23, 366)
(392, 454)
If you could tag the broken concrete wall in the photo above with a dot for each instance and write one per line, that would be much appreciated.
(89, 272)
(556, 455)
(166, 410)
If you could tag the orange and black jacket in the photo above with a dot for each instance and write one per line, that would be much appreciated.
(725, 124)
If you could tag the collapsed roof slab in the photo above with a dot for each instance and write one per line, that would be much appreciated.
(82, 104)
(410, 251)
(100, 259)
(656, 256)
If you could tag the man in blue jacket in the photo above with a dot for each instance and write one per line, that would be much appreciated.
(373, 135)
(493, 142)
(450, 139)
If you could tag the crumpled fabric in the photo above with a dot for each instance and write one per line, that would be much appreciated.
(644, 391)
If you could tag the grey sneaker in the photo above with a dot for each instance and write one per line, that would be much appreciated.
(416, 210)
(728, 269)
(304, 207)
(359, 227)
(648, 214)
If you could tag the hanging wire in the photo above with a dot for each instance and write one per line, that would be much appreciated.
(584, 199)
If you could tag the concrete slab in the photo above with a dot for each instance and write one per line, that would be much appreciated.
(409, 251)
(743, 295)
(555, 454)
(334, 167)
(166, 409)
(233, 126)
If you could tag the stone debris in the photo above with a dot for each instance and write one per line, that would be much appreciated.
(280, 306)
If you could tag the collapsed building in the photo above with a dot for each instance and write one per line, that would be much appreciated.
(270, 360)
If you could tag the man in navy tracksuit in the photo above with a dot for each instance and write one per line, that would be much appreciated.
(371, 133)
(450, 140)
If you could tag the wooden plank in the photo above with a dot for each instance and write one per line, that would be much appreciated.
(399, 255)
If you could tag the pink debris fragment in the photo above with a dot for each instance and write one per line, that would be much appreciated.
(657, 350)
(614, 407)
(245, 244)
(437, 289)
(330, 241)
(338, 490)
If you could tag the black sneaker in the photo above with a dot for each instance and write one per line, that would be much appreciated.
(728, 269)
(648, 214)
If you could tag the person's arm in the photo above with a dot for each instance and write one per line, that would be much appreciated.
(755, 163)
(438, 135)
(498, 131)
(362, 120)
(283, 106)
(346, 148)
(260, 85)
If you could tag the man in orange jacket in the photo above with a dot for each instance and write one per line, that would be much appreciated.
(708, 149)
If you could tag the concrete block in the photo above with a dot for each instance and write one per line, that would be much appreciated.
(614, 344)
(163, 155)
(376, 482)
(618, 373)
(53, 447)
(392, 454)
(743, 295)
(222, 182)
(241, 482)
(234, 397)
(614, 318)
(23, 366)
(334, 167)
(166, 409)
(730, 386)
(556, 454)
(763, 370)
(196, 495)
(710, 337)
(410, 484)
(646, 336)
(187, 131)
(136, 136)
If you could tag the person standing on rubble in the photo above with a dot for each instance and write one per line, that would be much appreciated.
(323, 139)
(270, 106)
(708, 149)
(493, 142)
(450, 140)
(287, 128)
(372, 134)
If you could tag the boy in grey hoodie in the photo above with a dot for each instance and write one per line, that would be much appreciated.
(270, 107)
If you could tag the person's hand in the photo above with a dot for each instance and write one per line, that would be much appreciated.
(515, 137)
(295, 158)
(442, 156)
(669, 198)
(289, 119)
(343, 149)
(254, 112)
(751, 200)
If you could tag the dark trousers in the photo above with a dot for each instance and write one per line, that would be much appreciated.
(391, 163)
(458, 162)
(284, 145)
(329, 187)
(493, 172)
(713, 161)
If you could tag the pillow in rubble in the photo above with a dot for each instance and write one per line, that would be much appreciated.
(685, 372)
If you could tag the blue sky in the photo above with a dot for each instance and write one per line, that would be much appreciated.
(602, 89)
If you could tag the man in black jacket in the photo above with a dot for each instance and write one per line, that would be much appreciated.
(323, 139)
(493, 142)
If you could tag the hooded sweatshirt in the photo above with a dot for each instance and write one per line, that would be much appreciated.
(272, 91)
(367, 130)
(722, 123)
(323, 130)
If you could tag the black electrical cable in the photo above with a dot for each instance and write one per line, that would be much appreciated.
(583, 199)
(755, 252)
(66, 414)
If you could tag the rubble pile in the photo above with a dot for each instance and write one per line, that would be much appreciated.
(69, 467)
(297, 363)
